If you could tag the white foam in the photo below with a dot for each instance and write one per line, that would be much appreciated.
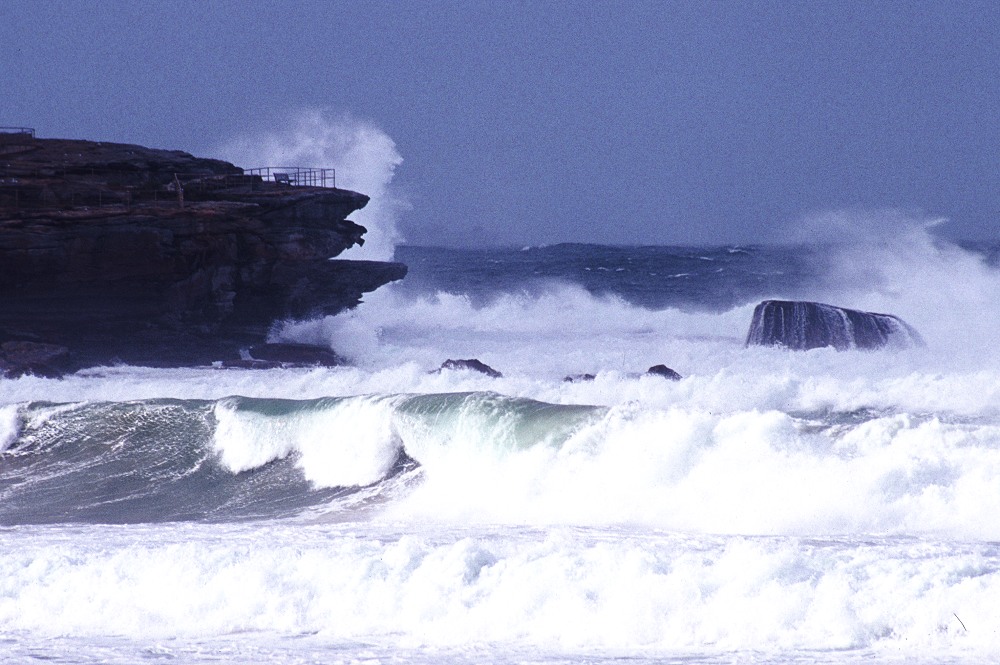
(365, 159)
(554, 592)
(10, 425)
(741, 473)
(350, 443)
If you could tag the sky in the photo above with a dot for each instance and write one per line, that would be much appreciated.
(525, 123)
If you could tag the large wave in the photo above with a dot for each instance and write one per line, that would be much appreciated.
(483, 458)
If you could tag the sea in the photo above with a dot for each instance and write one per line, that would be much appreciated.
(771, 506)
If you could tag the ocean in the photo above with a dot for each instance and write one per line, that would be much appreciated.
(772, 506)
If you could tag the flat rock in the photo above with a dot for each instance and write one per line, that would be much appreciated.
(18, 358)
(295, 354)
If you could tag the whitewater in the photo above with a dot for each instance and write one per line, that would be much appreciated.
(771, 506)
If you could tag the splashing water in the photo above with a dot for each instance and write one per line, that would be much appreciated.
(364, 156)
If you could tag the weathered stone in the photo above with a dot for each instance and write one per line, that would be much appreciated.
(803, 325)
(147, 281)
(664, 371)
(18, 358)
(471, 364)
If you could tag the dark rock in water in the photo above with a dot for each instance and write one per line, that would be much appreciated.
(577, 378)
(664, 371)
(249, 363)
(809, 325)
(471, 364)
(295, 354)
(48, 360)
(129, 254)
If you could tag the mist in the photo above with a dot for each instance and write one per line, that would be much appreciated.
(365, 159)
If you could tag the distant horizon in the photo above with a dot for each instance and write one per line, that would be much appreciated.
(943, 232)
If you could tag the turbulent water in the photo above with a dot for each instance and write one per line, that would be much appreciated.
(771, 506)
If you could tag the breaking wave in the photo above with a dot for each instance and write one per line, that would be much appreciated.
(485, 458)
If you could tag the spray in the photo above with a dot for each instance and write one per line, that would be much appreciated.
(365, 159)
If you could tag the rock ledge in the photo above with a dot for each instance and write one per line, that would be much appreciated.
(102, 255)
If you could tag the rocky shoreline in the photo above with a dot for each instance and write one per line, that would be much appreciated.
(118, 253)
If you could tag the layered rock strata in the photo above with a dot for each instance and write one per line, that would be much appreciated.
(126, 254)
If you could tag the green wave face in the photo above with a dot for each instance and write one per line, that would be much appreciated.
(247, 458)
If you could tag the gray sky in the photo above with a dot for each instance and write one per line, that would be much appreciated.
(546, 121)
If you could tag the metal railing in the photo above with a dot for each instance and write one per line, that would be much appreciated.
(89, 187)
(25, 132)
(296, 176)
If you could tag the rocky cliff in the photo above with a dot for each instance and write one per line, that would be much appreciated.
(122, 253)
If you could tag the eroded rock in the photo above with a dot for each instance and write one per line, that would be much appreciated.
(98, 254)
(803, 325)
(664, 371)
(471, 364)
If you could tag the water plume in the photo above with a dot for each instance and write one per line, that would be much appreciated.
(365, 159)
(891, 261)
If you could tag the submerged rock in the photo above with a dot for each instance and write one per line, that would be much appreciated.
(664, 371)
(471, 364)
(802, 325)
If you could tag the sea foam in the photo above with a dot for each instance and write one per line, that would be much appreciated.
(560, 591)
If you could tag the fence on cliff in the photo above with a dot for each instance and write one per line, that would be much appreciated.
(76, 187)
(296, 176)
(13, 134)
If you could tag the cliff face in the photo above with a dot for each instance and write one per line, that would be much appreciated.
(100, 253)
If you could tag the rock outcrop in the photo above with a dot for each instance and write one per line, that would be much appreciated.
(472, 364)
(809, 325)
(48, 360)
(663, 371)
(124, 253)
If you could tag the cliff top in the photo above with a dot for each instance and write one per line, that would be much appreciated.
(70, 173)
(112, 252)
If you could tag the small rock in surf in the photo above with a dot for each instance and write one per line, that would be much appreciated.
(575, 378)
(664, 371)
(471, 364)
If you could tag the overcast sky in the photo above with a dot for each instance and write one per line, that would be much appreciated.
(540, 122)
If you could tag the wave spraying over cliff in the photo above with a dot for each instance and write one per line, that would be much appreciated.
(364, 156)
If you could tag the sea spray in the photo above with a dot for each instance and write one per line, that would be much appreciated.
(346, 442)
(365, 159)
(9, 425)
(890, 261)
(821, 506)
